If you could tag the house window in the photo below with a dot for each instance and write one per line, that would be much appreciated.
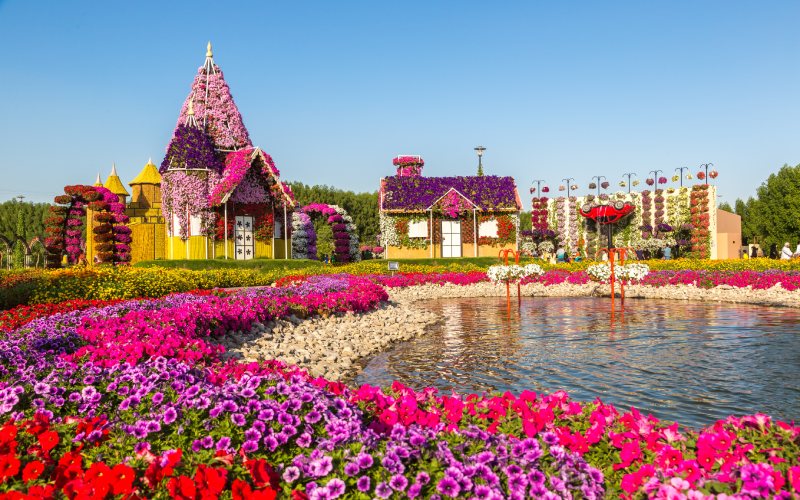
(418, 229)
(488, 229)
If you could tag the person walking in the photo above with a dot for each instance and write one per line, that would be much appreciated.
(786, 253)
(797, 251)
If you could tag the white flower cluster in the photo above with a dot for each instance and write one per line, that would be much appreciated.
(546, 247)
(632, 272)
(389, 235)
(599, 272)
(527, 246)
(512, 273)
(626, 272)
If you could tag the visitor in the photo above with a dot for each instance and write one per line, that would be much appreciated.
(786, 253)
(561, 254)
(604, 256)
(753, 252)
(667, 252)
(797, 251)
(773, 251)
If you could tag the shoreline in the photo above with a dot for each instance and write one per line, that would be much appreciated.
(331, 347)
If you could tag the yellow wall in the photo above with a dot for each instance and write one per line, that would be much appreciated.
(148, 241)
(467, 250)
(216, 249)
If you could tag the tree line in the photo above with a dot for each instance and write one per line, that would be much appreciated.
(773, 216)
(21, 220)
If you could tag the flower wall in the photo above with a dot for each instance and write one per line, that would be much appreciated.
(419, 193)
(661, 217)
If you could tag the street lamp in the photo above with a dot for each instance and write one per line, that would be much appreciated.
(706, 165)
(598, 177)
(538, 186)
(567, 181)
(655, 177)
(480, 150)
(680, 172)
(629, 174)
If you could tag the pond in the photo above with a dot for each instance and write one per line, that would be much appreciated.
(689, 362)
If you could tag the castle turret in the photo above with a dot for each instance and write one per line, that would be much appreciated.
(98, 182)
(146, 195)
(114, 184)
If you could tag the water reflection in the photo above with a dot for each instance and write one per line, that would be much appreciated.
(689, 362)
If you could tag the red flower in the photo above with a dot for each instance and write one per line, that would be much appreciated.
(9, 467)
(299, 495)
(182, 488)
(242, 491)
(7, 434)
(210, 480)
(121, 477)
(48, 440)
(262, 473)
(32, 471)
(99, 477)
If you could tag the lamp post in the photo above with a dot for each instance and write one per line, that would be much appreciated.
(538, 185)
(597, 178)
(629, 174)
(655, 177)
(567, 180)
(480, 150)
(680, 172)
(706, 165)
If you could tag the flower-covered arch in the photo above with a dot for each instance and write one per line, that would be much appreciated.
(304, 238)
(65, 232)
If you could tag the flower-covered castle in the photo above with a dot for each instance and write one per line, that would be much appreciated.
(214, 194)
(446, 216)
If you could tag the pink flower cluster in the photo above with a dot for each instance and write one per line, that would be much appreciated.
(213, 104)
(181, 331)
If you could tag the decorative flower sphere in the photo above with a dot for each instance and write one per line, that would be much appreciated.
(561, 188)
(533, 190)
(545, 189)
(650, 182)
(635, 183)
(713, 174)
(622, 184)
(701, 175)
(604, 185)
(676, 178)
(662, 180)
(573, 187)
(689, 177)
(592, 185)
(408, 160)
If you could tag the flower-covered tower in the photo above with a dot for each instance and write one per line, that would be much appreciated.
(207, 184)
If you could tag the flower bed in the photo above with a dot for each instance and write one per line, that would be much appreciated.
(160, 414)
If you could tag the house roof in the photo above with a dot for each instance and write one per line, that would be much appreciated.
(418, 194)
(237, 166)
(148, 175)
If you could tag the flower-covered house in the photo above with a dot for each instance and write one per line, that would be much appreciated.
(432, 217)
(220, 195)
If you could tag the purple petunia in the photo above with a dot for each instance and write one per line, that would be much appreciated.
(363, 484)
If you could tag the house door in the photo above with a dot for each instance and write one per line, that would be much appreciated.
(451, 238)
(244, 243)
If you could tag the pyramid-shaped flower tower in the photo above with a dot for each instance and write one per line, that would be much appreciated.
(220, 195)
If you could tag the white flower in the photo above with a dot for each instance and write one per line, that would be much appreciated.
(599, 272)
(512, 273)
(632, 272)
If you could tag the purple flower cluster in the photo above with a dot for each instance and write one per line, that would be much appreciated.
(418, 193)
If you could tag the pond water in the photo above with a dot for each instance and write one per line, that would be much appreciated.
(689, 362)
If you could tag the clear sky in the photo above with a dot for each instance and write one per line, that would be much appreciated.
(334, 90)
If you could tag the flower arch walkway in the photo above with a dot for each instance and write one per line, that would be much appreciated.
(65, 232)
(304, 238)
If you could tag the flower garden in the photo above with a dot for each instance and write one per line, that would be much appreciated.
(112, 385)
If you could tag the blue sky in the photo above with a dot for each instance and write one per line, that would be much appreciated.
(334, 90)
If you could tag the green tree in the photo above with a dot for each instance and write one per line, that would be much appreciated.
(324, 232)
(18, 261)
(726, 206)
(774, 216)
(525, 223)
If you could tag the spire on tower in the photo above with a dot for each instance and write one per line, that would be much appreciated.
(208, 50)
(209, 66)
(114, 170)
(191, 121)
(98, 182)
